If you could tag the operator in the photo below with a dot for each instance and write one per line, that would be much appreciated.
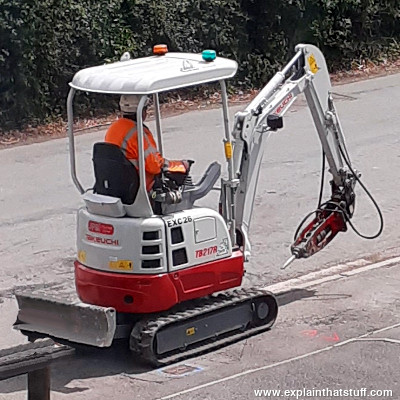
(123, 133)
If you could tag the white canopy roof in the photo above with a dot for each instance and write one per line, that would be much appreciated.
(153, 74)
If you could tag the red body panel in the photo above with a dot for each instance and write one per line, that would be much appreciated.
(144, 294)
(205, 279)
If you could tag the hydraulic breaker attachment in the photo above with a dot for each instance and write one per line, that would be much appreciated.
(328, 222)
(330, 219)
(325, 226)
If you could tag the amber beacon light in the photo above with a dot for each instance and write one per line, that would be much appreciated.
(160, 49)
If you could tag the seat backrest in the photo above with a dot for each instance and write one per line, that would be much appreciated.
(115, 175)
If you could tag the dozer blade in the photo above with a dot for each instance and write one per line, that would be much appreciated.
(53, 313)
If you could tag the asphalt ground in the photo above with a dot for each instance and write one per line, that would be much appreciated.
(38, 200)
(316, 340)
(337, 336)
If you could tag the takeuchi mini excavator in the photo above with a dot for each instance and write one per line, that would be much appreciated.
(156, 268)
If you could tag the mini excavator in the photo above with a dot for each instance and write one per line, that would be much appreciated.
(153, 267)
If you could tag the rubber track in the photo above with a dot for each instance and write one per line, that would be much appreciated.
(144, 332)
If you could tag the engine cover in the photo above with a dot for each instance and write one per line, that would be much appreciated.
(159, 244)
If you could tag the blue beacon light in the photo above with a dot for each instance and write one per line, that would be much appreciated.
(209, 55)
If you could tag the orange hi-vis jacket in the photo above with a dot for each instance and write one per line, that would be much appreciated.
(123, 133)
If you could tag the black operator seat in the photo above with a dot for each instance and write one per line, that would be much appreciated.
(115, 175)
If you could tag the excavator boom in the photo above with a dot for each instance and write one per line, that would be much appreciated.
(306, 73)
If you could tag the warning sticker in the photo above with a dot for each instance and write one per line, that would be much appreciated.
(313, 64)
(190, 331)
(82, 256)
(121, 265)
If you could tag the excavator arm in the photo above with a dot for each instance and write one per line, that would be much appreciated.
(306, 73)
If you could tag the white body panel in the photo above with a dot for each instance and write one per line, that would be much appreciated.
(158, 244)
(127, 243)
(153, 74)
(205, 237)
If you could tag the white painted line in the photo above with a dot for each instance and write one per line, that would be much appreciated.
(277, 364)
(387, 328)
(329, 274)
(363, 337)
(386, 340)
(247, 372)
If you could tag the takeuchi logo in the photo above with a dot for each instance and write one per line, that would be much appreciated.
(284, 103)
(101, 240)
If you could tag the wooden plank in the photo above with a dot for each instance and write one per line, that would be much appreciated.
(30, 357)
